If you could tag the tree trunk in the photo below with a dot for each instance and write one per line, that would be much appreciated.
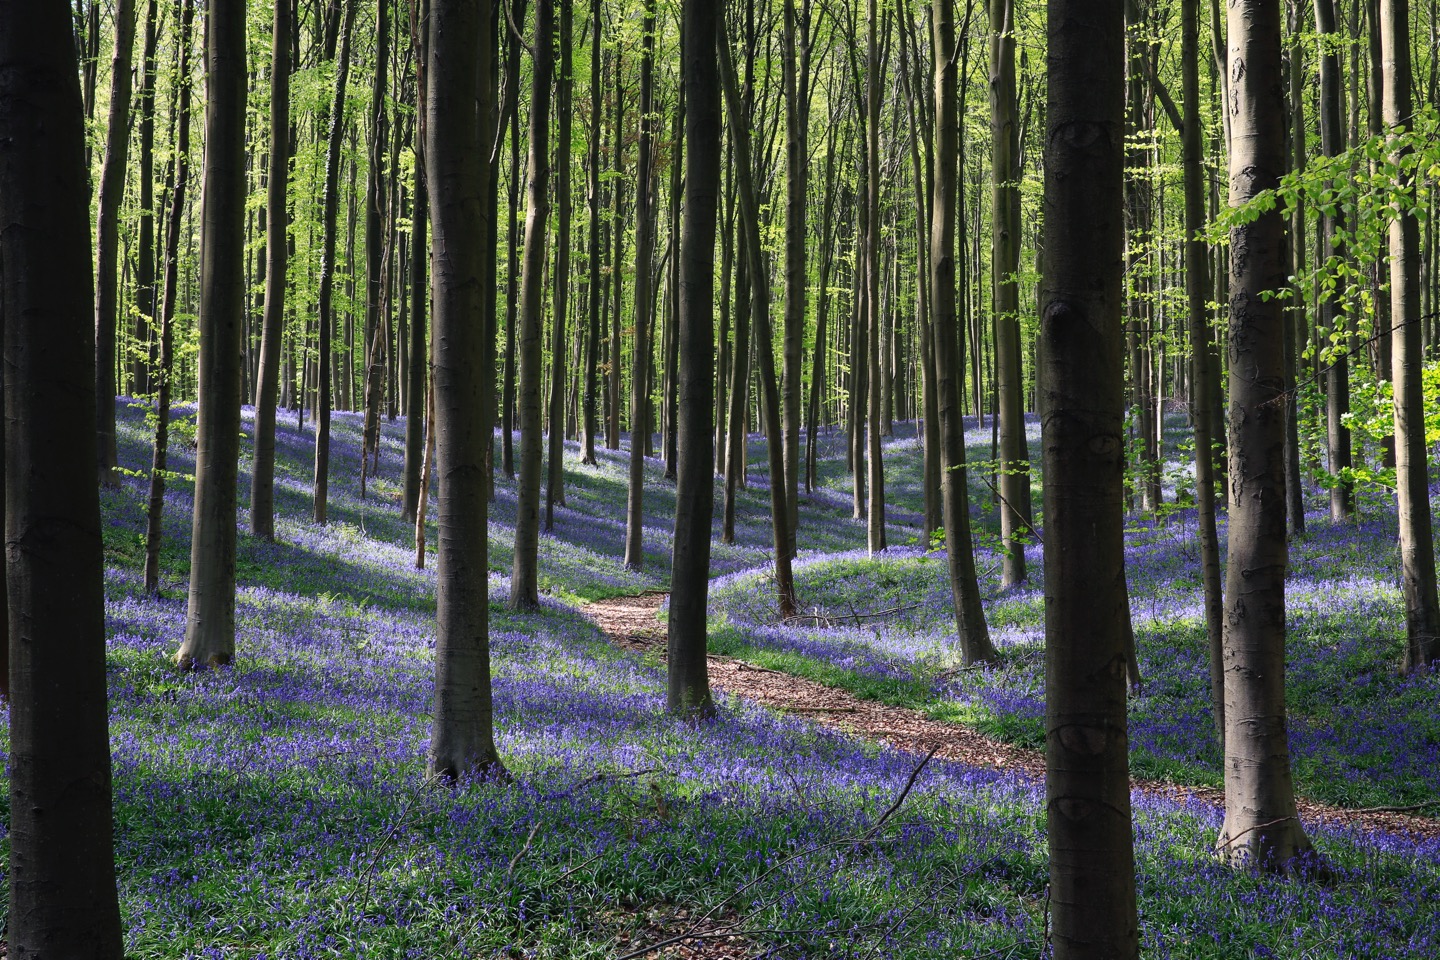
(330, 208)
(1261, 824)
(416, 388)
(107, 238)
(1417, 549)
(594, 198)
(1014, 485)
(1295, 317)
(524, 578)
(689, 683)
(277, 221)
(143, 355)
(617, 225)
(795, 67)
(1087, 802)
(760, 319)
(376, 345)
(1337, 376)
(644, 243)
(875, 504)
(1197, 291)
(62, 900)
(458, 93)
(210, 616)
(512, 233)
(949, 350)
(179, 179)
(555, 478)
(737, 449)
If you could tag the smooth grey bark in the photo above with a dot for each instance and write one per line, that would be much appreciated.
(376, 344)
(949, 350)
(512, 235)
(61, 869)
(525, 574)
(875, 501)
(330, 205)
(644, 253)
(277, 221)
(143, 354)
(1296, 333)
(458, 91)
(1087, 786)
(1014, 479)
(178, 178)
(796, 82)
(1262, 827)
(111, 195)
(555, 475)
(688, 684)
(210, 614)
(1417, 546)
(617, 272)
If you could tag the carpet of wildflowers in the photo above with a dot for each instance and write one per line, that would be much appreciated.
(278, 808)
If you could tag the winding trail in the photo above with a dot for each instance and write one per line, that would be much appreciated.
(631, 624)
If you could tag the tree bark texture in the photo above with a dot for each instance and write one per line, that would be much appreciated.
(555, 473)
(1092, 874)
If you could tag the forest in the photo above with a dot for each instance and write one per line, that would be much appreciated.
(720, 479)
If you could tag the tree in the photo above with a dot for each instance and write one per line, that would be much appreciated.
(277, 221)
(458, 91)
(61, 865)
(555, 475)
(1417, 549)
(330, 205)
(1261, 823)
(593, 204)
(644, 254)
(795, 68)
(1087, 787)
(689, 683)
(875, 505)
(416, 389)
(210, 616)
(524, 579)
(974, 634)
(1014, 480)
(107, 237)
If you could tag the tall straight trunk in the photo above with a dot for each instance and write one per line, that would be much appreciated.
(644, 242)
(512, 233)
(1261, 824)
(1004, 263)
(1295, 317)
(376, 344)
(143, 355)
(722, 356)
(795, 69)
(1197, 290)
(277, 222)
(525, 576)
(594, 203)
(760, 319)
(555, 478)
(1417, 548)
(107, 238)
(949, 349)
(330, 206)
(1087, 788)
(617, 226)
(210, 615)
(737, 451)
(688, 687)
(875, 504)
(1337, 375)
(179, 178)
(61, 839)
(822, 316)
(416, 389)
(672, 294)
(458, 92)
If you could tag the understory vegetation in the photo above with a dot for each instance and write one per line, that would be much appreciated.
(279, 807)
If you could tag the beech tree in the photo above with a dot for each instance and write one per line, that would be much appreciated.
(1087, 785)
(210, 615)
(459, 47)
(62, 900)
(688, 691)
(1262, 826)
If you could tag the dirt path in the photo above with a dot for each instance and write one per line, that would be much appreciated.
(630, 624)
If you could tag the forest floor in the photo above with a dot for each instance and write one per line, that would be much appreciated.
(633, 624)
(279, 808)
